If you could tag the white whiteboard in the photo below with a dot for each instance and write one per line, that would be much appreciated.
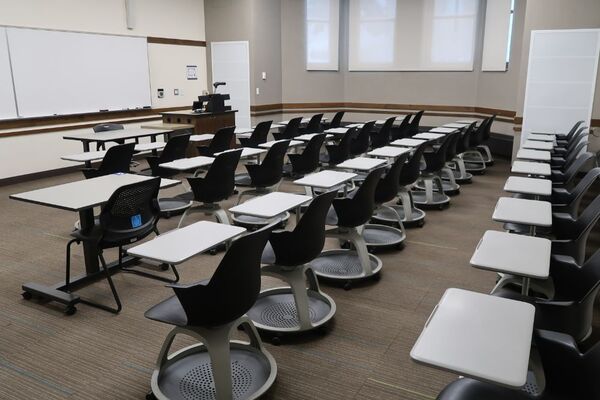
(58, 72)
(231, 64)
(7, 95)
(561, 79)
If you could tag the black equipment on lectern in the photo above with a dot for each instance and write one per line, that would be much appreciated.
(215, 102)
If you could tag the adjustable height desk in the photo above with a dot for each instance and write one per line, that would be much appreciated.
(82, 197)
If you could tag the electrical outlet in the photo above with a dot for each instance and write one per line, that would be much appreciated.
(161, 93)
(257, 91)
(176, 92)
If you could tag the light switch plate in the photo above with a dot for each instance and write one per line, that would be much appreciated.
(264, 76)
(176, 92)
(257, 91)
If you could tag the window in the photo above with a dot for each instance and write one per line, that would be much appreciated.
(412, 35)
(453, 34)
(497, 35)
(322, 31)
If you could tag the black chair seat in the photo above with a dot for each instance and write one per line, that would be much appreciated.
(169, 311)
(243, 180)
(187, 196)
(471, 389)
(332, 218)
(268, 255)
(109, 239)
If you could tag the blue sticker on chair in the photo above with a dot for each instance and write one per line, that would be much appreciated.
(136, 221)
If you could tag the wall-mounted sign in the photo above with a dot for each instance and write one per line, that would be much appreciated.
(192, 72)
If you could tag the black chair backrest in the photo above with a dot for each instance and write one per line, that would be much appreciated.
(219, 182)
(341, 152)
(234, 286)
(569, 374)
(575, 151)
(414, 124)
(572, 199)
(117, 159)
(465, 139)
(412, 170)
(403, 130)
(574, 129)
(436, 160)
(270, 171)
(451, 150)
(221, 141)
(175, 148)
(259, 135)
(290, 131)
(358, 209)
(107, 127)
(488, 128)
(336, 121)
(308, 161)
(476, 138)
(577, 165)
(314, 124)
(573, 235)
(382, 138)
(387, 187)
(131, 212)
(360, 143)
(306, 241)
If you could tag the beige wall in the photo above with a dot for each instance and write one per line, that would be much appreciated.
(179, 19)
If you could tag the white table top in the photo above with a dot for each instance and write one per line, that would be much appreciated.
(456, 125)
(406, 142)
(510, 253)
(268, 145)
(270, 205)
(442, 129)
(201, 138)
(185, 164)
(325, 179)
(307, 136)
(523, 211)
(536, 155)
(531, 168)
(537, 145)
(382, 121)
(150, 146)
(88, 193)
(479, 336)
(179, 245)
(541, 137)
(246, 152)
(362, 164)
(238, 131)
(340, 130)
(389, 151)
(108, 136)
(428, 136)
(304, 121)
(84, 157)
(535, 186)
(467, 121)
(355, 125)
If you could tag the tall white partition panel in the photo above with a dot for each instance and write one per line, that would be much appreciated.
(496, 35)
(7, 95)
(561, 79)
(58, 72)
(231, 64)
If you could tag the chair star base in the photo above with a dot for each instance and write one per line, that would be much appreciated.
(383, 237)
(345, 265)
(217, 368)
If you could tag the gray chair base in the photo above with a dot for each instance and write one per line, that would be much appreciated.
(405, 209)
(170, 207)
(487, 154)
(347, 265)
(449, 185)
(382, 237)
(292, 309)
(217, 368)
(208, 210)
(460, 172)
(474, 161)
(430, 197)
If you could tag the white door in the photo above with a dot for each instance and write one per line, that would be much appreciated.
(561, 79)
(231, 64)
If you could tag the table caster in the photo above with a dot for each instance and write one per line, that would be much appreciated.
(70, 310)
(27, 295)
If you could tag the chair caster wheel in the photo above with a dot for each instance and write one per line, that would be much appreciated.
(150, 396)
(376, 277)
(70, 310)
(212, 252)
(164, 267)
(400, 246)
(276, 341)
(421, 224)
(347, 286)
(322, 330)
(27, 295)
